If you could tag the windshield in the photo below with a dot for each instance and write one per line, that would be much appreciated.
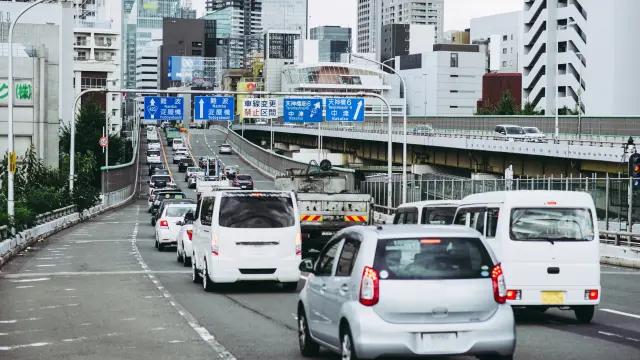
(512, 130)
(551, 224)
(175, 211)
(194, 169)
(256, 210)
(243, 177)
(532, 130)
(432, 258)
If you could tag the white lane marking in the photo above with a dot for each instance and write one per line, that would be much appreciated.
(158, 329)
(621, 313)
(24, 287)
(13, 321)
(87, 273)
(98, 241)
(175, 341)
(46, 265)
(18, 332)
(28, 280)
(609, 334)
(14, 347)
(69, 289)
(204, 334)
(74, 339)
(128, 319)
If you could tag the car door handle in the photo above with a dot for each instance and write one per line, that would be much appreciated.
(323, 288)
(344, 289)
(206, 230)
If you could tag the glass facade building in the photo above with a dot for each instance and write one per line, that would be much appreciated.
(333, 41)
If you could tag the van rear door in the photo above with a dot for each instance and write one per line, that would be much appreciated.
(257, 228)
(552, 247)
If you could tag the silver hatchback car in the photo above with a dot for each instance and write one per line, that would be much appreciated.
(410, 290)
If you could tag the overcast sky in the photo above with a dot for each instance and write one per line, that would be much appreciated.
(457, 13)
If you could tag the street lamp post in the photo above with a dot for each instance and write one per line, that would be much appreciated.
(404, 122)
(582, 58)
(557, 73)
(10, 140)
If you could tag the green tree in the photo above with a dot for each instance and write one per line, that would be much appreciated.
(529, 109)
(85, 195)
(506, 106)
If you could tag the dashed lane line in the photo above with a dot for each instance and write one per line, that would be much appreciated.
(622, 313)
(27, 277)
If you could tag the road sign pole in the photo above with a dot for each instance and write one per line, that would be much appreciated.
(319, 142)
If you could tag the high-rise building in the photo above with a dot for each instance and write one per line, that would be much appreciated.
(279, 51)
(285, 15)
(332, 42)
(555, 40)
(502, 33)
(373, 14)
(405, 39)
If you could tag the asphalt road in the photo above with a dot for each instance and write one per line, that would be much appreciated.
(102, 291)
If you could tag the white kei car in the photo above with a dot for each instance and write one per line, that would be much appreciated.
(166, 226)
(184, 247)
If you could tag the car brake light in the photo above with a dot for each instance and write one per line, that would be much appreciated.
(190, 234)
(298, 244)
(514, 294)
(591, 294)
(215, 248)
(164, 224)
(499, 285)
(369, 287)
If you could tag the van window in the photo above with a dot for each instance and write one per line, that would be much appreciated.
(492, 222)
(444, 258)
(551, 224)
(256, 210)
(347, 257)
(207, 211)
(406, 216)
(438, 215)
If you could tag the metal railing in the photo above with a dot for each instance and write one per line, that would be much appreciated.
(620, 238)
(614, 208)
(55, 214)
(272, 163)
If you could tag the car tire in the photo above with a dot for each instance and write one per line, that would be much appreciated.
(156, 244)
(187, 261)
(347, 348)
(308, 347)
(207, 284)
(584, 314)
(290, 286)
(160, 247)
(496, 357)
(195, 274)
(179, 257)
(153, 222)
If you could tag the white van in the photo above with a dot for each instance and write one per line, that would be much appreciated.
(246, 235)
(431, 212)
(547, 242)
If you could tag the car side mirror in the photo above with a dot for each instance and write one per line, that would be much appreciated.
(306, 266)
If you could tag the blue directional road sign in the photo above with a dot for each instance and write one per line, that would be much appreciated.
(345, 109)
(163, 108)
(216, 108)
(303, 110)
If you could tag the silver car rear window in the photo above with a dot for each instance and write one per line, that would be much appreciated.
(432, 259)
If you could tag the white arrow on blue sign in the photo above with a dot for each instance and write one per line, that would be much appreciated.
(345, 109)
(302, 110)
(214, 108)
(163, 108)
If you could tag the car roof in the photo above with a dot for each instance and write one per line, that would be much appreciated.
(417, 231)
(531, 198)
(433, 203)
(509, 125)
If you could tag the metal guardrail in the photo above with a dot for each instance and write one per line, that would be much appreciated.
(602, 141)
(272, 163)
(620, 238)
(55, 214)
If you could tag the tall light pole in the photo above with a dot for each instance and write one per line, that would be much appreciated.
(12, 92)
(404, 121)
(584, 60)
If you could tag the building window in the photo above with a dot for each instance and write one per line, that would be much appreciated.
(454, 60)
(196, 52)
(504, 50)
(196, 44)
(504, 64)
(505, 37)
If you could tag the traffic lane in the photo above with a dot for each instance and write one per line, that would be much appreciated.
(620, 289)
(107, 307)
(206, 142)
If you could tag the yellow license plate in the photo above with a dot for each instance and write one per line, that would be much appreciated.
(552, 297)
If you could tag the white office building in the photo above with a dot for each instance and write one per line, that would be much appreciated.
(285, 15)
(147, 66)
(97, 54)
(445, 81)
(502, 33)
(372, 14)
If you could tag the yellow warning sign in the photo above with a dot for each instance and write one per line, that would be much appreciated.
(13, 162)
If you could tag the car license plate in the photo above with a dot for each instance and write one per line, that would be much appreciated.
(328, 233)
(438, 340)
(552, 297)
(243, 187)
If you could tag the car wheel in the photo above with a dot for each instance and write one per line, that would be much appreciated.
(195, 275)
(153, 222)
(156, 244)
(584, 314)
(207, 284)
(187, 260)
(179, 256)
(160, 247)
(290, 286)
(496, 357)
(308, 347)
(347, 349)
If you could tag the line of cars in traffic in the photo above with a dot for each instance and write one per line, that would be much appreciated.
(442, 280)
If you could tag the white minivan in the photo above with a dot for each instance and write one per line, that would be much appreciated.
(246, 236)
(430, 212)
(547, 242)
